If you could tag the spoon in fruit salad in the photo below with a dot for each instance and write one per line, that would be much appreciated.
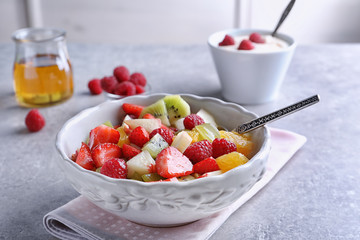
(283, 16)
(261, 121)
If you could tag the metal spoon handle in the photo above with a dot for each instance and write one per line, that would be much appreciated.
(261, 121)
(283, 16)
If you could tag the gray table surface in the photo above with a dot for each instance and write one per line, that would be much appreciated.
(315, 196)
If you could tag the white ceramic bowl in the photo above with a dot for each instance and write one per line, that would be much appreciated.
(250, 77)
(161, 203)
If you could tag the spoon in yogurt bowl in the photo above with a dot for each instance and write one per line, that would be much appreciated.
(261, 121)
(283, 16)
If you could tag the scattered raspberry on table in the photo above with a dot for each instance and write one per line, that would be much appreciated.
(34, 121)
(95, 86)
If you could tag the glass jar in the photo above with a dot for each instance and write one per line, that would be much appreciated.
(42, 70)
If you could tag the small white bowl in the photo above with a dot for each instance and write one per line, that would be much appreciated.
(161, 204)
(112, 96)
(250, 77)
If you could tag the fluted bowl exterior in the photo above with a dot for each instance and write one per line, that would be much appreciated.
(161, 204)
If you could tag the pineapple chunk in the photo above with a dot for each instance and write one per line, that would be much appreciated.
(179, 124)
(148, 124)
(243, 142)
(231, 160)
(207, 117)
(182, 141)
(141, 164)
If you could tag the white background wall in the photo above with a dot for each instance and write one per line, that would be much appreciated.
(185, 21)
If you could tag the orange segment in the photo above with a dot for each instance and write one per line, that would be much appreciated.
(123, 137)
(243, 142)
(231, 160)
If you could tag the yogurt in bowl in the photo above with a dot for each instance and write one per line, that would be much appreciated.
(269, 43)
(251, 72)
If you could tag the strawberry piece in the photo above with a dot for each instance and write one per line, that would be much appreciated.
(256, 38)
(108, 83)
(222, 146)
(94, 86)
(227, 41)
(170, 162)
(139, 89)
(199, 151)
(148, 116)
(34, 121)
(84, 158)
(121, 73)
(105, 151)
(74, 156)
(132, 109)
(125, 89)
(129, 151)
(166, 134)
(103, 134)
(138, 79)
(246, 45)
(114, 168)
(192, 120)
(139, 136)
(206, 165)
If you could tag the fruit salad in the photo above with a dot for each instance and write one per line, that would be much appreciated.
(164, 141)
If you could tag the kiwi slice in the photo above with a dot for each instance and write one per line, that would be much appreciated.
(158, 110)
(176, 107)
(155, 145)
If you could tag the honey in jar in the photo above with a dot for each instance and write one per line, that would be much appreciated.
(42, 70)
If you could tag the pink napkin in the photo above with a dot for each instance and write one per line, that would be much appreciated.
(81, 219)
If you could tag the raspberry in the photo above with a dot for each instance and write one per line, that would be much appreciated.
(94, 86)
(114, 168)
(139, 89)
(199, 151)
(34, 121)
(125, 88)
(167, 134)
(227, 41)
(192, 120)
(139, 136)
(138, 79)
(108, 83)
(222, 146)
(121, 73)
(256, 38)
(246, 45)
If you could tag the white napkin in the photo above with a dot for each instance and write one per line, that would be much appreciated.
(81, 219)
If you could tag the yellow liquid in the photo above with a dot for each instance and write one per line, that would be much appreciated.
(42, 80)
